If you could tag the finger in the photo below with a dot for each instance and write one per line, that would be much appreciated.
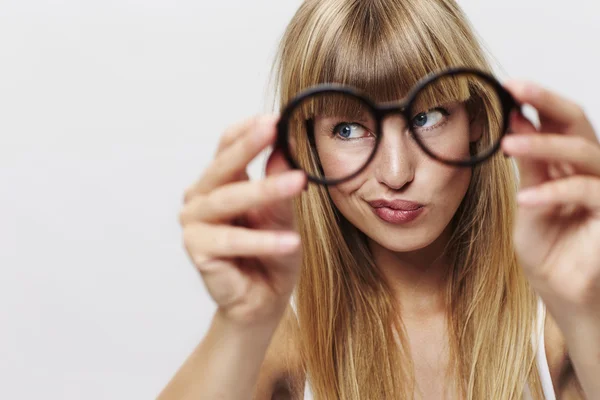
(576, 190)
(281, 214)
(575, 150)
(519, 124)
(549, 104)
(206, 242)
(233, 200)
(233, 160)
(560, 170)
(531, 172)
(237, 130)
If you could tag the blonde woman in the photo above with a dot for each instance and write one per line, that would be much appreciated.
(412, 278)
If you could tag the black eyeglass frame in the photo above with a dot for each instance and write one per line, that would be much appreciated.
(380, 112)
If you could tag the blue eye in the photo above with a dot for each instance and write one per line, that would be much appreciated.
(429, 119)
(347, 130)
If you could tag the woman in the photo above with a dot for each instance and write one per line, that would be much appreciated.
(450, 303)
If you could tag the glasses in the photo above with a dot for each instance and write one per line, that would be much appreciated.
(457, 117)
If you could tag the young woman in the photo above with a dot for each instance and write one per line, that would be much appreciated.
(413, 277)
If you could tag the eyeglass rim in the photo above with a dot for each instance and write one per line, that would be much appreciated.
(381, 111)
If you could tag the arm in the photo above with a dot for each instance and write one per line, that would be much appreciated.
(581, 365)
(282, 375)
(241, 236)
(240, 363)
(557, 228)
(565, 382)
(224, 366)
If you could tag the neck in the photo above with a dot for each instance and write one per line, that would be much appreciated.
(418, 278)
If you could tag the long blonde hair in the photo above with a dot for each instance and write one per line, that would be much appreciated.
(351, 332)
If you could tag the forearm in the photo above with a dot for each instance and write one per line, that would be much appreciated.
(582, 335)
(224, 366)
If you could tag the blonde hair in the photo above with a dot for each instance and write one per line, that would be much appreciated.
(351, 332)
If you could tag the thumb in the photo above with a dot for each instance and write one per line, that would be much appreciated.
(276, 163)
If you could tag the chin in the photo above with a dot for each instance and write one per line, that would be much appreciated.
(403, 241)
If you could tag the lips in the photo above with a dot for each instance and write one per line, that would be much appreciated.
(396, 211)
(400, 205)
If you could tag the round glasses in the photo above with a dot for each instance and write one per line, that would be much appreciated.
(457, 116)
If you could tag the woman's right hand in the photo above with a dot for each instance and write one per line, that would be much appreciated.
(240, 234)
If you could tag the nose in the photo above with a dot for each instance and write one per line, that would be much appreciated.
(395, 159)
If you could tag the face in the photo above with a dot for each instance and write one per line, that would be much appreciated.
(404, 199)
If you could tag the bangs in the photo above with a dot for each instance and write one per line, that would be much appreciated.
(383, 49)
(384, 53)
(385, 70)
(379, 70)
(333, 105)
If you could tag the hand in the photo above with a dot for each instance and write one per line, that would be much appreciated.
(240, 234)
(557, 232)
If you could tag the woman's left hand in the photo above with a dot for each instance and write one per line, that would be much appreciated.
(557, 232)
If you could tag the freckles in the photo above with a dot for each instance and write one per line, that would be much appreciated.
(336, 163)
(456, 145)
(459, 148)
(445, 182)
(451, 141)
(456, 183)
(342, 191)
(344, 199)
(342, 160)
(343, 194)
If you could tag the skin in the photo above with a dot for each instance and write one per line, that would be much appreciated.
(411, 256)
(558, 223)
(242, 238)
(400, 170)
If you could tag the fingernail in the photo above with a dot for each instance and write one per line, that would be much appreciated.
(285, 184)
(289, 240)
(527, 196)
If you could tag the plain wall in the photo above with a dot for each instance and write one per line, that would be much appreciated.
(108, 110)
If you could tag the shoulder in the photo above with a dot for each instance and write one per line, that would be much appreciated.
(282, 372)
(564, 380)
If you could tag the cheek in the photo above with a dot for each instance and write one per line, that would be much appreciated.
(343, 194)
(447, 186)
(344, 197)
(457, 147)
(452, 140)
(334, 164)
(340, 159)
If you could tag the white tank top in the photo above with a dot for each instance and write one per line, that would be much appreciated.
(542, 362)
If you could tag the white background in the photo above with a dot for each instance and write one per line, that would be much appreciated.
(108, 110)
